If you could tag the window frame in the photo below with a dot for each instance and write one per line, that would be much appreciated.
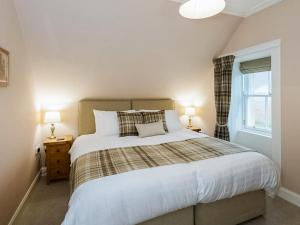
(244, 100)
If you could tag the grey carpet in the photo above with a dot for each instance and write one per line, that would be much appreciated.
(47, 205)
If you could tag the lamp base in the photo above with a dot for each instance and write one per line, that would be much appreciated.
(52, 137)
(52, 128)
(190, 122)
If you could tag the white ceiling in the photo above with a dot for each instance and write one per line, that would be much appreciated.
(244, 8)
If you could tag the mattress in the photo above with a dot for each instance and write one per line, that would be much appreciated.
(139, 195)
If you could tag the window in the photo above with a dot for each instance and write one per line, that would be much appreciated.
(257, 101)
(257, 67)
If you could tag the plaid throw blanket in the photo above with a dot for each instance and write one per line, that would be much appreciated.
(120, 160)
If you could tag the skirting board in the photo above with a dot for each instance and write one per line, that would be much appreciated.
(24, 199)
(289, 196)
(44, 171)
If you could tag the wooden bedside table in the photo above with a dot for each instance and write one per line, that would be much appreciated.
(58, 158)
(196, 129)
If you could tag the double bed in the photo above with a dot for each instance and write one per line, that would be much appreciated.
(225, 186)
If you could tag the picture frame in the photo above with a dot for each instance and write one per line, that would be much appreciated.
(4, 67)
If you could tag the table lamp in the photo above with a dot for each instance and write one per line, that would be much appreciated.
(190, 111)
(52, 118)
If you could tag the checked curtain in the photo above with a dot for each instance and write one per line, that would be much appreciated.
(223, 75)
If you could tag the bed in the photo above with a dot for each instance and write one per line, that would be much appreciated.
(224, 190)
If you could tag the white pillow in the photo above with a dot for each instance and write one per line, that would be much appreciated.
(172, 120)
(107, 122)
(150, 129)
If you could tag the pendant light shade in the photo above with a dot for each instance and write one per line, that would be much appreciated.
(199, 9)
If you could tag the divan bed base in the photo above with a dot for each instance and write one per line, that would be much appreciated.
(230, 211)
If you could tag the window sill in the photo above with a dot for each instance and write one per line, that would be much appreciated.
(253, 132)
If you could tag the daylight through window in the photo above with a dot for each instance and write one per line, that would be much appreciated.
(257, 101)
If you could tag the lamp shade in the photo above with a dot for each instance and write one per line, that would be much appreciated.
(190, 111)
(199, 9)
(52, 117)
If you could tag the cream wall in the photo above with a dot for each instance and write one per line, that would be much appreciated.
(280, 22)
(121, 49)
(18, 130)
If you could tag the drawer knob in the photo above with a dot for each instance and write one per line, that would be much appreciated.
(57, 150)
(58, 161)
(57, 172)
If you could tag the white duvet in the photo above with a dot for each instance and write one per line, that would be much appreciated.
(136, 196)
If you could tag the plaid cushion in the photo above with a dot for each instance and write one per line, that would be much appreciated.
(153, 117)
(127, 123)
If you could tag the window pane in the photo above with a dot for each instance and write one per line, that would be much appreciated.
(269, 114)
(270, 82)
(256, 112)
(257, 83)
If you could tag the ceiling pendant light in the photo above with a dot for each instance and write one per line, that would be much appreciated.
(199, 9)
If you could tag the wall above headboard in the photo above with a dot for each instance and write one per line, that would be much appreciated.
(145, 51)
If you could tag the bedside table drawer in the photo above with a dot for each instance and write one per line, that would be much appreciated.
(57, 150)
(59, 172)
(59, 161)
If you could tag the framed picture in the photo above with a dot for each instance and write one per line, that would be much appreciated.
(4, 67)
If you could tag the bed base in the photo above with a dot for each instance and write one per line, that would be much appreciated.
(230, 211)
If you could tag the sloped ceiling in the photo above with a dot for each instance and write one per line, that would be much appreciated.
(120, 48)
(76, 42)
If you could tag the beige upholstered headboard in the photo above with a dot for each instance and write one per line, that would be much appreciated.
(86, 120)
